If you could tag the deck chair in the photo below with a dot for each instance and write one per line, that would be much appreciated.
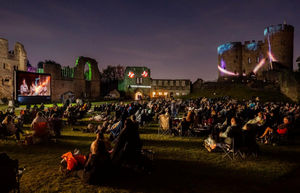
(164, 125)
(281, 139)
(232, 151)
(199, 130)
(4, 133)
(249, 146)
(41, 130)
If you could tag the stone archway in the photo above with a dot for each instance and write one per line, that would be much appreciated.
(138, 95)
(88, 71)
(87, 77)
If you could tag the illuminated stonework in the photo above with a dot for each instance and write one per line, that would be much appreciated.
(142, 86)
(9, 61)
(237, 59)
(83, 80)
(225, 47)
(252, 46)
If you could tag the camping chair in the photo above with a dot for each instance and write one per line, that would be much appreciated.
(199, 130)
(41, 130)
(282, 139)
(249, 146)
(4, 133)
(232, 151)
(164, 125)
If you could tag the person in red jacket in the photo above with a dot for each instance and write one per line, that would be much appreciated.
(281, 130)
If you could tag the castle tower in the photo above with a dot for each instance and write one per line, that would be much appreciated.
(252, 55)
(230, 59)
(21, 56)
(279, 41)
(3, 48)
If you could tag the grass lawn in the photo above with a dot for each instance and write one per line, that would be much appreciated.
(180, 165)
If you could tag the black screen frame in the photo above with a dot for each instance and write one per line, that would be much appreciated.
(30, 99)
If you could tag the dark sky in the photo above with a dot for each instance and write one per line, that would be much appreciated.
(176, 39)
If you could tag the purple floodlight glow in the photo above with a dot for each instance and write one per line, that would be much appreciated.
(223, 65)
(271, 57)
(222, 70)
(31, 69)
(259, 65)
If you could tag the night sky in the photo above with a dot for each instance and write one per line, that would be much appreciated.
(175, 39)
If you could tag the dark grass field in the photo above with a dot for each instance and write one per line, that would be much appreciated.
(180, 165)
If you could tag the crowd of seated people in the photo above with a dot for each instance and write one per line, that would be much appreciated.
(107, 156)
(118, 144)
(227, 121)
(253, 118)
(45, 122)
(9, 128)
(186, 116)
(75, 112)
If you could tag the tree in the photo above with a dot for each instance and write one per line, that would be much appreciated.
(113, 73)
(41, 63)
(28, 64)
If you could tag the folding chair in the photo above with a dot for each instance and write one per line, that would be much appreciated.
(4, 133)
(200, 130)
(282, 139)
(249, 146)
(40, 129)
(231, 151)
(164, 125)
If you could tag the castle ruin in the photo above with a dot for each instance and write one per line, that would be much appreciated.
(257, 57)
(83, 80)
(10, 60)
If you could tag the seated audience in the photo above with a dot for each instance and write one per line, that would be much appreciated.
(281, 130)
(98, 165)
(10, 127)
(55, 124)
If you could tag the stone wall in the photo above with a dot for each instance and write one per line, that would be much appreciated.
(77, 84)
(251, 55)
(137, 83)
(170, 87)
(231, 54)
(281, 38)
(10, 61)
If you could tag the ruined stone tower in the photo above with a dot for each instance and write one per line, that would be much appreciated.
(10, 60)
(279, 40)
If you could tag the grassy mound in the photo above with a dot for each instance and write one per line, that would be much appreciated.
(240, 92)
